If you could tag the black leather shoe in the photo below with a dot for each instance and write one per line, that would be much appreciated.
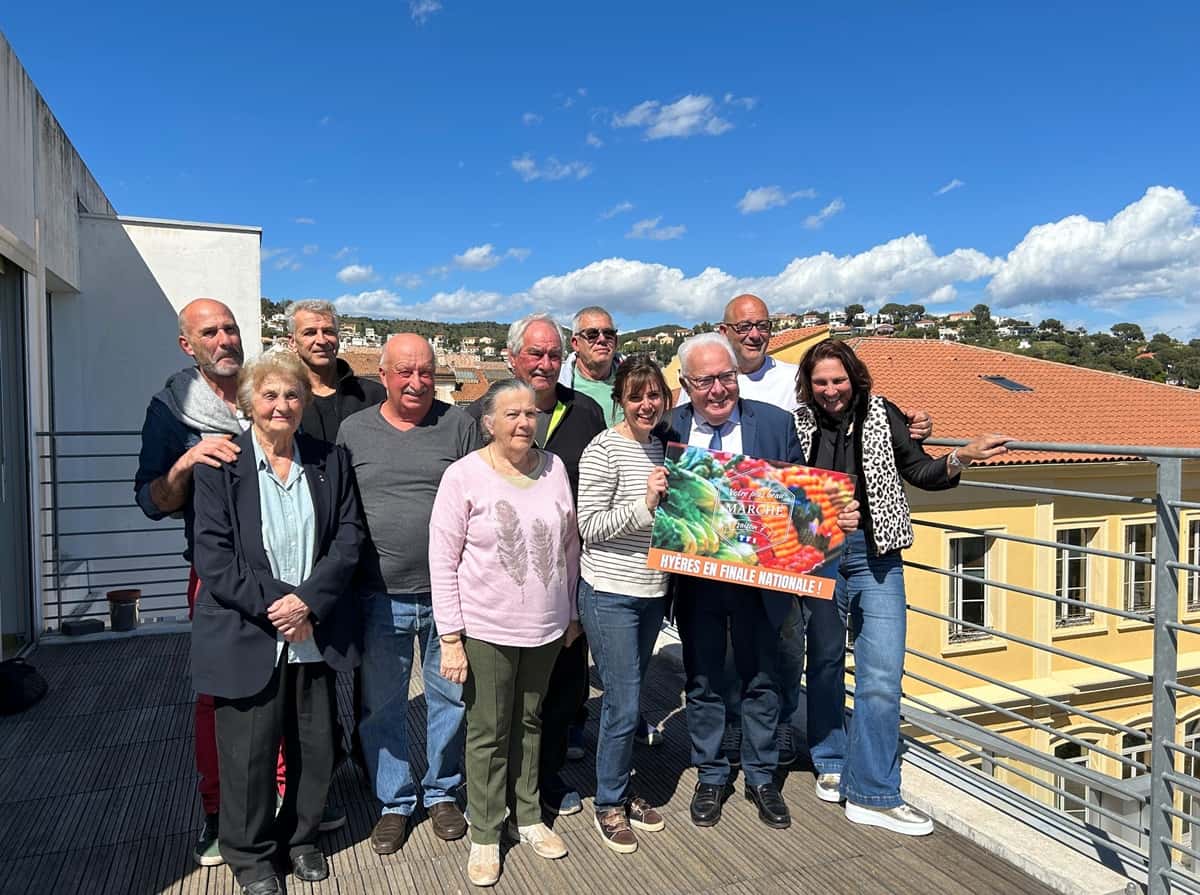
(706, 803)
(772, 810)
(268, 886)
(310, 866)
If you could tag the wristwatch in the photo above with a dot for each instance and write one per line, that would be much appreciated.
(456, 637)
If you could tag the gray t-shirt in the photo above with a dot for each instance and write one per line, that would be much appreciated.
(398, 474)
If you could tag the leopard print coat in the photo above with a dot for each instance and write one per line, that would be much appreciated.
(891, 523)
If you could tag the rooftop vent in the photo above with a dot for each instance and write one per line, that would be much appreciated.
(1006, 383)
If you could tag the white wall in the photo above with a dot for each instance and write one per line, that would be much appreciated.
(115, 342)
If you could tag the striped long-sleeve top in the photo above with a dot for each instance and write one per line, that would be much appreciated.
(614, 523)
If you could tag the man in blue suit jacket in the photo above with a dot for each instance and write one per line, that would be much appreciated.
(710, 612)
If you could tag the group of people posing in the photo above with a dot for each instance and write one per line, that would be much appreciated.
(333, 524)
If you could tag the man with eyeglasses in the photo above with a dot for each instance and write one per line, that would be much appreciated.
(567, 421)
(713, 614)
(592, 364)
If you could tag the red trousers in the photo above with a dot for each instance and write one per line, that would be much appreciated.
(206, 734)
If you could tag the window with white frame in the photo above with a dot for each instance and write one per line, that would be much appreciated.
(1073, 576)
(1193, 558)
(1139, 576)
(1078, 794)
(969, 599)
(1136, 748)
(1190, 827)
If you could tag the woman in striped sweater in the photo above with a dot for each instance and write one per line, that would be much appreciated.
(621, 602)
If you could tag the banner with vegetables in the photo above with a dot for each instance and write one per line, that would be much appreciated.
(762, 523)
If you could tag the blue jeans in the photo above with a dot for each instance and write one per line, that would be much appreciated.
(391, 625)
(870, 598)
(621, 630)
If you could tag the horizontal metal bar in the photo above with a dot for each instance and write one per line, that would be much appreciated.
(1184, 782)
(1182, 688)
(1024, 641)
(1182, 566)
(1183, 504)
(1057, 492)
(111, 572)
(125, 481)
(1030, 592)
(1183, 750)
(1184, 627)
(1039, 698)
(113, 531)
(1071, 447)
(56, 589)
(78, 433)
(1037, 542)
(998, 762)
(1179, 846)
(102, 600)
(1124, 760)
(1188, 882)
(100, 506)
(110, 558)
(104, 456)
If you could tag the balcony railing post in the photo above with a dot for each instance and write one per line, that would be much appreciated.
(1166, 670)
(54, 520)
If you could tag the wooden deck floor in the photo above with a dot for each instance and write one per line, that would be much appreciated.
(97, 795)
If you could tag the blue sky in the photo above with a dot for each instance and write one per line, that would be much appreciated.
(462, 160)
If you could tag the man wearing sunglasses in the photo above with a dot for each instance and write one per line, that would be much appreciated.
(593, 361)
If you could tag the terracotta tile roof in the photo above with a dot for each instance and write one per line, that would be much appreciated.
(791, 336)
(1063, 403)
(363, 363)
(470, 392)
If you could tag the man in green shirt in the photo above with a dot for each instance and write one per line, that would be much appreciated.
(592, 364)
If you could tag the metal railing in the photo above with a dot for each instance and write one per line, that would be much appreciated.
(987, 735)
(94, 536)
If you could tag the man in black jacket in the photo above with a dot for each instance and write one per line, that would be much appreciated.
(567, 422)
(336, 391)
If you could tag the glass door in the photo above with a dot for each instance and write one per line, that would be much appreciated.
(16, 589)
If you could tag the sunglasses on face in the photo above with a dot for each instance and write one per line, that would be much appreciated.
(592, 334)
(744, 326)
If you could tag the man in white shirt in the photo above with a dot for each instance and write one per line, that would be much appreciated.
(747, 326)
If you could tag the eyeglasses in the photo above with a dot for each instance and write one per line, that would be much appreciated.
(744, 326)
(704, 383)
(592, 334)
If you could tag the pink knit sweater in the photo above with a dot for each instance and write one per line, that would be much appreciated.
(504, 553)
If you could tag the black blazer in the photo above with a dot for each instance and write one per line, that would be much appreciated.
(768, 433)
(233, 642)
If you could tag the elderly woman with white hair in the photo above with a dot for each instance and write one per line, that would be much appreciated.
(504, 566)
(276, 539)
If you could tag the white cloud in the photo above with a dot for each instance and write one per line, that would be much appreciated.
(952, 185)
(529, 119)
(649, 229)
(553, 169)
(266, 254)
(421, 10)
(765, 197)
(619, 208)
(594, 141)
(518, 254)
(582, 91)
(304, 221)
(280, 259)
(686, 117)
(1149, 248)
(311, 249)
(477, 258)
(356, 273)
(408, 280)
(746, 102)
(344, 252)
(816, 221)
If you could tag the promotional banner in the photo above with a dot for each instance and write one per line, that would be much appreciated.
(761, 523)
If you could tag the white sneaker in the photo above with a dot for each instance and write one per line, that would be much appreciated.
(901, 819)
(483, 865)
(546, 843)
(829, 787)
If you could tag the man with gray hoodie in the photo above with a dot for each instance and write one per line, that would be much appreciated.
(193, 420)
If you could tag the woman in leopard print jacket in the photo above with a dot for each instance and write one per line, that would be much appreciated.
(842, 426)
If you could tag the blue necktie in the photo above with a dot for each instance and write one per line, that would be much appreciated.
(714, 443)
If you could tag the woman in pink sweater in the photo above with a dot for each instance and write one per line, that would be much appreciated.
(503, 565)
